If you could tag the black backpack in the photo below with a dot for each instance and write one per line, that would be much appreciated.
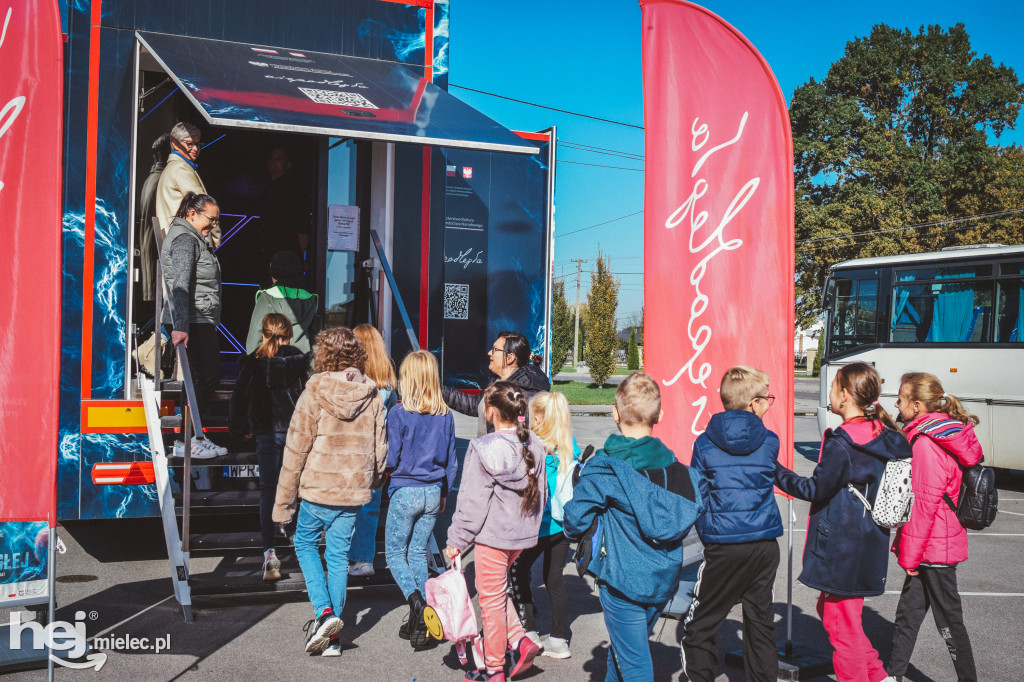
(979, 499)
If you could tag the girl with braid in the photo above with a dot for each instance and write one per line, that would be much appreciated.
(501, 500)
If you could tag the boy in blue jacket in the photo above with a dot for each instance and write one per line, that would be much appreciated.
(647, 502)
(735, 458)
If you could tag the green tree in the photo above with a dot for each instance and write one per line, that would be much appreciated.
(892, 147)
(583, 331)
(562, 327)
(602, 300)
(632, 352)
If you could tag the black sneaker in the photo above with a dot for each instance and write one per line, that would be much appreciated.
(319, 630)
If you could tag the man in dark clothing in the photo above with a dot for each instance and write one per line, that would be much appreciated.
(510, 361)
(147, 211)
(284, 210)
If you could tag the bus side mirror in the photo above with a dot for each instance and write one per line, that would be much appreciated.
(828, 297)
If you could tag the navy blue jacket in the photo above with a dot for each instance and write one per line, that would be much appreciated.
(642, 525)
(421, 449)
(735, 458)
(846, 553)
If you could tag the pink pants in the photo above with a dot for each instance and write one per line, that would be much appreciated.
(501, 623)
(854, 658)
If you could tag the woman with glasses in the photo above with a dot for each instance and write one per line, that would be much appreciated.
(510, 360)
(180, 176)
(847, 554)
(192, 275)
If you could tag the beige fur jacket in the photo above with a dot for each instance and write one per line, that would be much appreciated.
(336, 446)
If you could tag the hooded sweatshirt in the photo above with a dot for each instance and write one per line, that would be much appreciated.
(336, 445)
(846, 554)
(489, 510)
(298, 305)
(735, 458)
(640, 453)
(267, 390)
(642, 523)
(934, 535)
(529, 378)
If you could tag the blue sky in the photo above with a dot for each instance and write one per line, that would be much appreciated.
(585, 57)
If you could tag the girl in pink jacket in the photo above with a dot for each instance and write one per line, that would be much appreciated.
(933, 542)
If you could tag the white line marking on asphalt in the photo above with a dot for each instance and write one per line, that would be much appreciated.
(976, 594)
(100, 634)
(1006, 535)
(1014, 513)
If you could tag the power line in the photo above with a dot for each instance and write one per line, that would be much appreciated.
(595, 165)
(599, 149)
(933, 223)
(541, 106)
(590, 227)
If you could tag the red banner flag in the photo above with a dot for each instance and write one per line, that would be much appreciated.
(31, 82)
(718, 220)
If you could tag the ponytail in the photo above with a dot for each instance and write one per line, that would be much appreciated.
(877, 413)
(277, 329)
(862, 382)
(511, 405)
(194, 202)
(955, 410)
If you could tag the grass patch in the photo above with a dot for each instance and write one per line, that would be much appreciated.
(582, 393)
(620, 371)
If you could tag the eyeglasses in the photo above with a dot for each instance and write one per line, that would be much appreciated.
(495, 349)
(213, 221)
(189, 144)
(770, 398)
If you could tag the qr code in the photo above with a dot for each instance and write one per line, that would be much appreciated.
(456, 301)
(345, 99)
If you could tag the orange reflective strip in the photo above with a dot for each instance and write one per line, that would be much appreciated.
(123, 473)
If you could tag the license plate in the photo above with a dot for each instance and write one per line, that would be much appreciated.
(242, 471)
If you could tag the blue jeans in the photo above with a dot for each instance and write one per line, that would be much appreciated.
(629, 628)
(338, 522)
(269, 449)
(411, 519)
(364, 542)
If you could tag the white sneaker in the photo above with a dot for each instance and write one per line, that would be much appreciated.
(333, 649)
(179, 449)
(361, 568)
(210, 446)
(201, 452)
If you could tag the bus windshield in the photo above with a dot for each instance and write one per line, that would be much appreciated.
(853, 310)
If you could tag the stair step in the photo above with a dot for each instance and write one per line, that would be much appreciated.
(242, 575)
(171, 422)
(227, 501)
(223, 460)
(248, 542)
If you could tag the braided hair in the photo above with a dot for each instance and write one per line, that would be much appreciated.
(510, 403)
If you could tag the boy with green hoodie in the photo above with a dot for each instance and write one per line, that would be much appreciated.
(647, 502)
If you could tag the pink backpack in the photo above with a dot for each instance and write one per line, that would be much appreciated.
(453, 616)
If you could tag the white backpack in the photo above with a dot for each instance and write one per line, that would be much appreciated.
(894, 498)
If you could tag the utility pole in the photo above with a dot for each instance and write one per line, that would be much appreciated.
(576, 335)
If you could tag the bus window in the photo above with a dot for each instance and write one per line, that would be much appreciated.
(1010, 313)
(854, 313)
(941, 312)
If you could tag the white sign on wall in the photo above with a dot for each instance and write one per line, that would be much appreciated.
(343, 228)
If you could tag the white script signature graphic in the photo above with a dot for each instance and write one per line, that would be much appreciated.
(706, 243)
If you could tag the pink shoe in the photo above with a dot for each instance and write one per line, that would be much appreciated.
(521, 657)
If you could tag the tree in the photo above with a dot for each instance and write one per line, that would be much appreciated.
(892, 148)
(602, 300)
(583, 330)
(632, 353)
(562, 324)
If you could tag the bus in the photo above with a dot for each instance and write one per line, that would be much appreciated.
(954, 313)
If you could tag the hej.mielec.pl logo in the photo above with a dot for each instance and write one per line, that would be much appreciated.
(57, 636)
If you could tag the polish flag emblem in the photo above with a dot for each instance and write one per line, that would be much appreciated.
(467, 172)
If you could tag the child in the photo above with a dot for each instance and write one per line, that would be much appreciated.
(379, 370)
(933, 542)
(549, 420)
(735, 459)
(334, 454)
(846, 554)
(499, 509)
(647, 502)
(270, 381)
(422, 462)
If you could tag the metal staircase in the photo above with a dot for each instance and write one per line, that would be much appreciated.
(196, 493)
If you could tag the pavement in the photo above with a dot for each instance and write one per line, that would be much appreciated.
(116, 573)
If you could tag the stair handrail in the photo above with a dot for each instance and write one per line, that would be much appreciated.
(396, 295)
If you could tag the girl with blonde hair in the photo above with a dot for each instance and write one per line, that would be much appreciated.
(381, 371)
(932, 543)
(422, 462)
(549, 420)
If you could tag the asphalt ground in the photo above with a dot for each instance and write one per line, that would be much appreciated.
(116, 572)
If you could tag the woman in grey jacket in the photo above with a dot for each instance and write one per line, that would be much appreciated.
(192, 275)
